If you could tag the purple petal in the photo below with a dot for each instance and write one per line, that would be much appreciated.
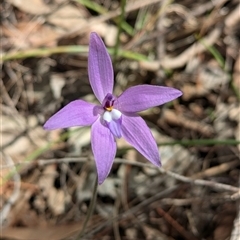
(137, 133)
(142, 97)
(99, 68)
(76, 113)
(104, 149)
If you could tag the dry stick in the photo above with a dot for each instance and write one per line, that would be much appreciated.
(219, 186)
(203, 8)
(132, 6)
(209, 172)
(183, 58)
(199, 182)
(6, 97)
(42, 162)
(132, 211)
(233, 18)
(216, 170)
(128, 213)
(235, 235)
(13, 198)
(171, 117)
(175, 224)
(212, 17)
(180, 202)
(15, 79)
(161, 43)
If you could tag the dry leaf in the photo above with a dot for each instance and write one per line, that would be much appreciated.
(41, 233)
(57, 82)
(67, 17)
(16, 141)
(35, 7)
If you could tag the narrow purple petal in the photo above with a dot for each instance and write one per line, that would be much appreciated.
(76, 113)
(142, 97)
(137, 133)
(104, 149)
(100, 68)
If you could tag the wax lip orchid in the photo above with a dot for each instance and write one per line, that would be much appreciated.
(115, 117)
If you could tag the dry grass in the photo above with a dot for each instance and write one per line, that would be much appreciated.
(47, 177)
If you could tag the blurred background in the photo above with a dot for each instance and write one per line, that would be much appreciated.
(47, 177)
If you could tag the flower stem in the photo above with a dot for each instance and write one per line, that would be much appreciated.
(90, 209)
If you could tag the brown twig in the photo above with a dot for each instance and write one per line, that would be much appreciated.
(15, 194)
(199, 182)
(131, 211)
(175, 224)
(183, 58)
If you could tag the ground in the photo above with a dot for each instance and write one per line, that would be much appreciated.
(47, 177)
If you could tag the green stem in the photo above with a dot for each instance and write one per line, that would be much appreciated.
(102, 10)
(121, 19)
(43, 52)
(90, 210)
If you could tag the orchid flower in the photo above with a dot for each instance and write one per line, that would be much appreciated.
(115, 117)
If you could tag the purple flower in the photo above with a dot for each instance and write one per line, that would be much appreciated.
(115, 117)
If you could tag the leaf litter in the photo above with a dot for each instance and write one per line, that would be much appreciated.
(137, 202)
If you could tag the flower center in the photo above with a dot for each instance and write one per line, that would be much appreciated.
(109, 108)
(111, 116)
(108, 102)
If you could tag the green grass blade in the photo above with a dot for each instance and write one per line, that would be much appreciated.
(43, 52)
(101, 10)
